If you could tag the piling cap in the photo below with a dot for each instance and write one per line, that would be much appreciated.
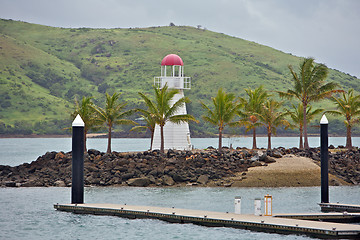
(78, 122)
(324, 120)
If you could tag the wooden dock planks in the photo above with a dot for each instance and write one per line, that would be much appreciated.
(219, 219)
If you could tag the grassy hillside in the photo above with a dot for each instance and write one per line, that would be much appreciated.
(42, 69)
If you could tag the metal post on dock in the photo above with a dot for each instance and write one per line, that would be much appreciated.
(237, 205)
(257, 206)
(77, 187)
(324, 156)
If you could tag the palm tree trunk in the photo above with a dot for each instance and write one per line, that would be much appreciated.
(301, 144)
(220, 139)
(306, 142)
(152, 139)
(348, 137)
(109, 141)
(162, 138)
(254, 138)
(269, 138)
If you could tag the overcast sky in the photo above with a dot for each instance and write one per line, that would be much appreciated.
(327, 30)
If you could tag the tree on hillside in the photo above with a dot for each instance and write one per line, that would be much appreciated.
(162, 111)
(222, 112)
(271, 117)
(85, 109)
(348, 105)
(252, 108)
(297, 116)
(112, 114)
(309, 86)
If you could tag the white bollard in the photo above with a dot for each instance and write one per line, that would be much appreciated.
(257, 205)
(238, 205)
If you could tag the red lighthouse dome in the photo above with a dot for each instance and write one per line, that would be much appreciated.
(171, 60)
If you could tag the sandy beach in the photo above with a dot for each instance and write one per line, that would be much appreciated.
(288, 171)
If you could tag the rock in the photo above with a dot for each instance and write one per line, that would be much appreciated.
(92, 180)
(246, 153)
(32, 183)
(179, 177)
(60, 183)
(353, 181)
(276, 154)
(269, 160)
(170, 153)
(335, 182)
(256, 164)
(203, 179)
(10, 184)
(152, 179)
(94, 152)
(138, 182)
(263, 157)
(228, 184)
(167, 180)
(128, 175)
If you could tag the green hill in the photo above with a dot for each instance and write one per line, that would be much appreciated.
(43, 68)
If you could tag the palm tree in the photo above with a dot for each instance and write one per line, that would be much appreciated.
(252, 107)
(222, 113)
(271, 117)
(150, 124)
(309, 86)
(86, 111)
(297, 116)
(162, 111)
(112, 114)
(349, 107)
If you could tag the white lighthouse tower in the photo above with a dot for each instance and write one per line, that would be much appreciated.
(176, 136)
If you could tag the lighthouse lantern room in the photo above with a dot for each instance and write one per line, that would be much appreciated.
(176, 136)
(172, 73)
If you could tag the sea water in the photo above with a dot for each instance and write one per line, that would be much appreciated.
(15, 151)
(28, 213)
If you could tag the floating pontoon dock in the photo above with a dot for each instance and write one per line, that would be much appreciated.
(217, 219)
(338, 207)
(325, 217)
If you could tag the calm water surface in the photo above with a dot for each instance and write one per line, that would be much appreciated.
(15, 151)
(27, 213)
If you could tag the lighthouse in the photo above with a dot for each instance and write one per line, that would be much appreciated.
(176, 136)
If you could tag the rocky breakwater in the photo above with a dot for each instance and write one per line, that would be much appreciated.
(149, 168)
(343, 163)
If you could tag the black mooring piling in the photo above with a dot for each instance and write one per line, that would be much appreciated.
(324, 156)
(77, 187)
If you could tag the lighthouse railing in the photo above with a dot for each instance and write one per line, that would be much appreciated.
(173, 82)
